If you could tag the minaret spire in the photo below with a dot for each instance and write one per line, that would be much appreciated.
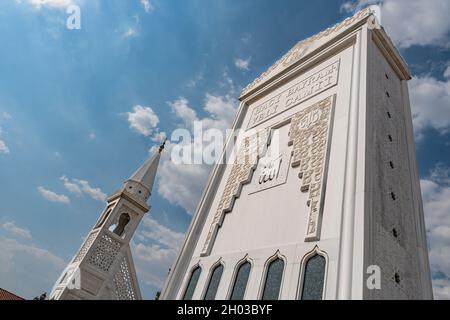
(146, 174)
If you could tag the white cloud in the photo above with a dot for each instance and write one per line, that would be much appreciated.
(94, 193)
(182, 184)
(222, 110)
(60, 4)
(131, 32)
(11, 227)
(242, 64)
(430, 104)
(183, 111)
(5, 115)
(155, 231)
(78, 187)
(411, 22)
(71, 186)
(447, 72)
(28, 270)
(143, 120)
(156, 251)
(441, 289)
(246, 38)
(195, 81)
(92, 136)
(52, 196)
(153, 263)
(148, 7)
(3, 147)
(159, 136)
(436, 199)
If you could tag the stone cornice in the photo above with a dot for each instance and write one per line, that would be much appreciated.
(304, 48)
(128, 196)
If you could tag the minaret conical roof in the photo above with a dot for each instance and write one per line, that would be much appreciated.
(146, 174)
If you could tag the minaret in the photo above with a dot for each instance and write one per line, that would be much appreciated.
(103, 267)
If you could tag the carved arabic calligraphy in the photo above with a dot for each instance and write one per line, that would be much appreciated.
(302, 91)
(270, 169)
(310, 136)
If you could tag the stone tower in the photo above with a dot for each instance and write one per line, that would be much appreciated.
(103, 267)
(323, 195)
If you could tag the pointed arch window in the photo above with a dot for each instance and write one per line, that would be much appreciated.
(240, 282)
(195, 275)
(124, 219)
(214, 282)
(314, 278)
(272, 283)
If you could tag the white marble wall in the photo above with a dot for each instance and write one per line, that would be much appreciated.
(356, 212)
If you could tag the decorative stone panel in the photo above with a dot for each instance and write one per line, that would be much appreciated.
(310, 137)
(86, 245)
(123, 283)
(251, 148)
(104, 253)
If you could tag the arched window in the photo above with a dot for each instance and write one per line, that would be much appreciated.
(195, 275)
(273, 279)
(313, 278)
(123, 221)
(240, 282)
(214, 282)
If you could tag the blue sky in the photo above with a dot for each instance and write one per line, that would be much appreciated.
(80, 110)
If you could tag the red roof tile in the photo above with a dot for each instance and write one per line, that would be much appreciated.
(6, 295)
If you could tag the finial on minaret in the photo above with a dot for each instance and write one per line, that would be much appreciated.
(161, 147)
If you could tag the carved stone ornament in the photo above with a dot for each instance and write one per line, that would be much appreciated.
(299, 92)
(251, 148)
(301, 49)
(310, 137)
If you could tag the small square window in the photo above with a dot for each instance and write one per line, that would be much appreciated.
(395, 233)
(397, 278)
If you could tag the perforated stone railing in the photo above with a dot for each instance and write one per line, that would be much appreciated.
(104, 253)
(123, 284)
(86, 245)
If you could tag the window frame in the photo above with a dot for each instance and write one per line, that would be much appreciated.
(305, 259)
(188, 280)
(215, 265)
(238, 265)
(271, 259)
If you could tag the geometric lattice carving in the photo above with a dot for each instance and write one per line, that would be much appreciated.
(309, 135)
(123, 284)
(104, 253)
(86, 245)
(251, 148)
